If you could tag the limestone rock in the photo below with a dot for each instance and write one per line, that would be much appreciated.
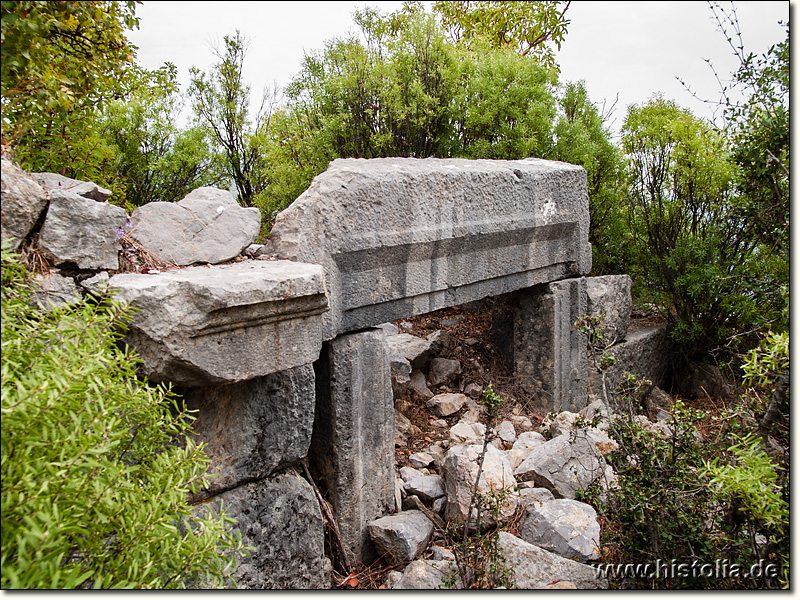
(467, 433)
(87, 189)
(564, 465)
(506, 433)
(535, 495)
(402, 537)
(81, 231)
(444, 370)
(536, 568)
(417, 385)
(403, 428)
(281, 518)
(54, 290)
(253, 428)
(441, 341)
(428, 575)
(420, 459)
(444, 405)
(460, 471)
(566, 527)
(226, 323)
(528, 440)
(444, 232)
(207, 226)
(610, 296)
(22, 201)
(414, 349)
(427, 487)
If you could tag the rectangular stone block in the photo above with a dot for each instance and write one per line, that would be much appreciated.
(646, 352)
(402, 236)
(253, 428)
(534, 330)
(610, 296)
(227, 323)
(352, 447)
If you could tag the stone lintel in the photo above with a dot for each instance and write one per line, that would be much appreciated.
(223, 324)
(402, 236)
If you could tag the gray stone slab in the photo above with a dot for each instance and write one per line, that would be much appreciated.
(352, 447)
(207, 226)
(645, 352)
(534, 330)
(87, 189)
(227, 323)
(81, 231)
(610, 296)
(22, 200)
(280, 517)
(253, 428)
(402, 537)
(402, 236)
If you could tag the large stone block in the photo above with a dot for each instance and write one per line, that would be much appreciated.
(645, 351)
(610, 296)
(403, 236)
(280, 517)
(352, 447)
(81, 231)
(535, 332)
(22, 200)
(253, 428)
(227, 323)
(207, 226)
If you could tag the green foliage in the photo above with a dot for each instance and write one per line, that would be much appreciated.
(158, 161)
(527, 28)
(61, 61)
(96, 466)
(221, 100)
(697, 258)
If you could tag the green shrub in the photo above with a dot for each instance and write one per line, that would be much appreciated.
(96, 465)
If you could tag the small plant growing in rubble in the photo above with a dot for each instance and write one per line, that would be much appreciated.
(479, 563)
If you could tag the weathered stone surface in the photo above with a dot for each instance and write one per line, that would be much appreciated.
(419, 386)
(444, 405)
(467, 433)
(441, 341)
(564, 465)
(403, 428)
(427, 487)
(536, 568)
(22, 200)
(506, 433)
(460, 471)
(645, 351)
(402, 537)
(528, 440)
(81, 231)
(610, 295)
(566, 527)
(414, 349)
(87, 189)
(704, 380)
(535, 332)
(352, 447)
(227, 323)
(404, 236)
(428, 575)
(444, 370)
(253, 428)
(281, 518)
(534, 495)
(207, 226)
(420, 459)
(54, 290)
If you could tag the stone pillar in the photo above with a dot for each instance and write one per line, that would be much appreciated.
(352, 445)
(534, 329)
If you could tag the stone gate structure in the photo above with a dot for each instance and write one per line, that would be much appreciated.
(283, 359)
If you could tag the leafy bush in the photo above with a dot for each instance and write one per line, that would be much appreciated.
(96, 465)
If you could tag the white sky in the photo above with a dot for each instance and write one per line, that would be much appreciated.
(632, 48)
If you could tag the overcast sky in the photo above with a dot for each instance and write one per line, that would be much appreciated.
(634, 49)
